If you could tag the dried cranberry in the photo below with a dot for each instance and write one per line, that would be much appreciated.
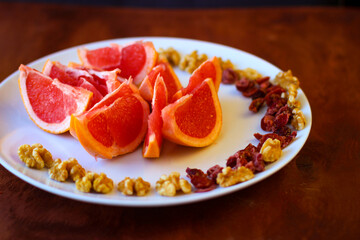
(213, 172)
(274, 99)
(201, 190)
(265, 85)
(248, 157)
(284, 109)
(258, 162)
(288, 139)
(285, 140)
(256, 104)
(198, 178)
(229, 76)
(250, 92)
(267, 123)
(237, 160)
(275, 89)
(281, 120)
(250, 165)
(243, 84)
(262, 80)
(258, 94)
(283, 131)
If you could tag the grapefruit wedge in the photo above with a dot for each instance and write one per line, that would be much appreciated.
(114, 126)
(104, 81)
(49, 102)
(73, 77)
(135, 59)
(170, 79)
(153, 139)
(195, 119)
(208, 69)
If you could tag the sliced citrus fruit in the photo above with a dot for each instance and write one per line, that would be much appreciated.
(73, 77)
(49, 102)
(104, 81)
(195, 119)
(170, 79)
(208, 69)
(153, 139)
(116, 125)
(135, 59)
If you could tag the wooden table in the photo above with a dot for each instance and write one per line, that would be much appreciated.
(316, 196)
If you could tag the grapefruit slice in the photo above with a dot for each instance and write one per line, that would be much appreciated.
(104, 81)
(49, 102)
(208, 69)
(135, 59)
(116, 125)
(73, 77)
(153, 139)
(170, 79)
(195, 119)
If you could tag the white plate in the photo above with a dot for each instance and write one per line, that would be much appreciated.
(239, 125)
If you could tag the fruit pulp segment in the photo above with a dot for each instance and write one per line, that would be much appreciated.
(171, 83)
(106, 58)
(40, 90)
(207, 70)
(121, 122)
(133, 58)
(197, 117)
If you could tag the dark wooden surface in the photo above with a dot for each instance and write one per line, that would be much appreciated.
(316, 196)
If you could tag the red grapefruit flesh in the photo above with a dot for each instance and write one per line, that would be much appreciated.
(153, 139)
(114, 126)
(104, 81)
(73, 77)
(167, 73)
(134, 59)
(49, 102)
(106, 58)
(208, 69)
(195, 119)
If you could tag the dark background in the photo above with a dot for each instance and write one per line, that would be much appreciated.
(201, 3)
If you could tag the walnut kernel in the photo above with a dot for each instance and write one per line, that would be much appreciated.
(226, 64)
(141, 187)
(126, 186)
(286, 79)
(75, 170)
(185, 186)
(168, 185)
(166, 188)
(103, 184)
(298, 121)
(171, 55)
(85, 184)
(271, 150)
(249, 73)
(58, 171)
(229, 176)
(35, 156)
(192, 61)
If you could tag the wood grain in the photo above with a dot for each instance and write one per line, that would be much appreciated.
(316, 196)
